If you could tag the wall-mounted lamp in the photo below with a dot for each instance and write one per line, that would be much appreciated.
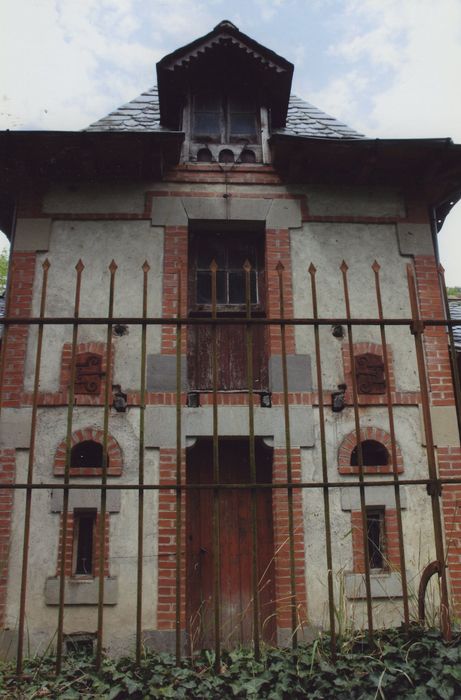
(193, 399)
(119, 399)
(338, 398)
(265, 399)
(337, 331)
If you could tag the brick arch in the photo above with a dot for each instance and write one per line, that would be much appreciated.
(370, 433)
(114, 454)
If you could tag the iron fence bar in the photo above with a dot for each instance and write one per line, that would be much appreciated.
(454, 362)
(286, 411)
(216, 477)
(65, 506)
(433, 483)
(103, 508)
(366, 562)
(142, 417)
(4, 343)
(252, 455)
(226, 321)
(326, 491)
(178, 473)
(435, 493)
(398, 505)
(30, 474)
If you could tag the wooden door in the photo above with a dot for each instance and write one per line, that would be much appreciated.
(236, 545)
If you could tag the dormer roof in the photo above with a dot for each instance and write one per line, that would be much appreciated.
(303, 119)
(225, 56)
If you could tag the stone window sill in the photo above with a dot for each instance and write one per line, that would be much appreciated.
(382, 584)
(81, 591)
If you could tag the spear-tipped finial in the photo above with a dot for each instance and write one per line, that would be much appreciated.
(312, 269)
(344, 266)
(113, 266)
(46, 264)
(376, 266)
(247, 265)
(213, 266)
(145, 266)
(80, 266)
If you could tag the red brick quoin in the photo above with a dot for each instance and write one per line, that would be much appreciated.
(376, 434)
(7, 476)
(114, 454)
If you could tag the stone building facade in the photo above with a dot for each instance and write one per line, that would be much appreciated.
(221, 163)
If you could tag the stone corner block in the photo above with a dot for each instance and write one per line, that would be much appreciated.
(161, 373)
(444, 426)
(81, 591)
(383, 585)
(168, 211)
(284, 213)
(374, 496)
(32, 234)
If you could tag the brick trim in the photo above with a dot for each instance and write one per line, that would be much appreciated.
(114, 454)
(282, 543)
(438, 363)
(166, 600)
(175, 257)
(370, 433)
(449, 462)
(70, 540)
(7, 476)
(278, 250)
(391, 541)
(23, 266)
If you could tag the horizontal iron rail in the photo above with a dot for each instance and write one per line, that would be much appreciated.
(278, 485)
(228, 320)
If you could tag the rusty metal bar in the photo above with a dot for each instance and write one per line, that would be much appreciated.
(216, 478)
(434, 493)
(252, 455)
(103, 510)
(178, 475)
(344, 268)
(142, 418)
(30, 474)
(454, 361)
(65, 507)
(398, 505)
(432, 483)
(230, 320)
(323, 447)
(286, 409)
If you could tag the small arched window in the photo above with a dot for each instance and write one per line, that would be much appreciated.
(87, 454)
(374, 454)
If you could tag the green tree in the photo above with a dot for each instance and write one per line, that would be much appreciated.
(4, 259)
(454, 291)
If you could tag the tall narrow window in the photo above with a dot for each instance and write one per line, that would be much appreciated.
(376, 538)
(84, 531)
(230, 250)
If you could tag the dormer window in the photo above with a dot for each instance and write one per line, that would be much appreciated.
(224, 128)
(224, 119)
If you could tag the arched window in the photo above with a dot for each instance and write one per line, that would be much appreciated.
(87, 454)
(373, 453)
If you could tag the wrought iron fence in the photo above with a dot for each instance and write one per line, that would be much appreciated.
(416, 325)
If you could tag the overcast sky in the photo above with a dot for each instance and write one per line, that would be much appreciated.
(388, 68)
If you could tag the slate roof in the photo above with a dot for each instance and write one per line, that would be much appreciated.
(455, 313)
(143, 114)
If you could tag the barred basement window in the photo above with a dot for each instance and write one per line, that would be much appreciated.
(80, 643)
(84, 535)
(87, 454)
(374, 454)
(376, 538)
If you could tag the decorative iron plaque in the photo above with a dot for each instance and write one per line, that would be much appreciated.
(369, 372)
(88, 373)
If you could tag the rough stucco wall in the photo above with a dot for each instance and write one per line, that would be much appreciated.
(326, 245)
(417, 520)
(119, 620)
(97, 243)
(99, 199)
